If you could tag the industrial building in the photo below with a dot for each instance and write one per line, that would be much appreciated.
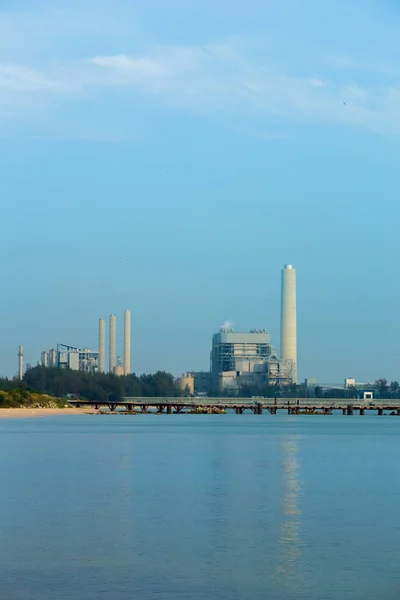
(91, 361)
(70, 357)
(195, 383)
(240, 358)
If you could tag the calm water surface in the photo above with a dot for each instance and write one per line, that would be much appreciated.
(200, 507)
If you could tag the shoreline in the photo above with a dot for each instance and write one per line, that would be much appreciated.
(29, 413)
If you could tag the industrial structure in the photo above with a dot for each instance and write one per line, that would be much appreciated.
(70, 357)
(289, 318)
(127, 342)
(92, 361)
(249, 358)
(195, 383)
(113, 344)
(20, 362)
(102, 346)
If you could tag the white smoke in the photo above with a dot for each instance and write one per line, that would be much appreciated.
(227, 325)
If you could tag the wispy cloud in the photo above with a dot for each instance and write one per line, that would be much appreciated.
(216, 79)
(233, 80)
(124, 63)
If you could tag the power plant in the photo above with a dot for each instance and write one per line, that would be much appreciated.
(237, 358)
(91, 361)
(249, 358)
(289, 318)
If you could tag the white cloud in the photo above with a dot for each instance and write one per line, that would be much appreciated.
(317, 82)
(215, 81)
(123, 62)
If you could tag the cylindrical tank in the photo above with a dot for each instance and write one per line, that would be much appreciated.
(113, 344)
(127, 343)
(289, 318)
(102, 345)
(186, 383)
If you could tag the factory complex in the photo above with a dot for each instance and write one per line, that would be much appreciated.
(236, 358)
(92, 361)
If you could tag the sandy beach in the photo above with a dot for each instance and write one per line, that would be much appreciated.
(24, 413)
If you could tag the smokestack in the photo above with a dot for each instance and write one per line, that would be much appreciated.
(289, 318)
(102, 346)
(20, 362)
(113, 343)
(127, 343)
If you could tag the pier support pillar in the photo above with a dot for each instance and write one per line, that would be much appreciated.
(380, 411)
(350, 409)
(169, 409)
(362, 411)
(259, 409)
(398, 411)
(344, 411)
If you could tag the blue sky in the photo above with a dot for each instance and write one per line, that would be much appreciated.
(203, 145)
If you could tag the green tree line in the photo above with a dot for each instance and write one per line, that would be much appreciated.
(93, 386)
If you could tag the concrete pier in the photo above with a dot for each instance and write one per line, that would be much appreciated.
(293, 406)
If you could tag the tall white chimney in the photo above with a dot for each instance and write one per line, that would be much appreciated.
(113, 343)
(20, 362)
(102, 346)
(289, 318)
(127, 343)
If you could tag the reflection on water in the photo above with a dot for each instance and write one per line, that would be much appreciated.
(288, 571)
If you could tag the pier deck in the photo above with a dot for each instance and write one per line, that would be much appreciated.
(295, 406)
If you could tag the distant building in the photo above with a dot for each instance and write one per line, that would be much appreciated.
(52, 360)
(202, 383)
(44, 358)
(349, 382)
(186, 383)
(69, 357)
(246, 358)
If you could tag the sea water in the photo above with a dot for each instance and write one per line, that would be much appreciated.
(200, 507)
